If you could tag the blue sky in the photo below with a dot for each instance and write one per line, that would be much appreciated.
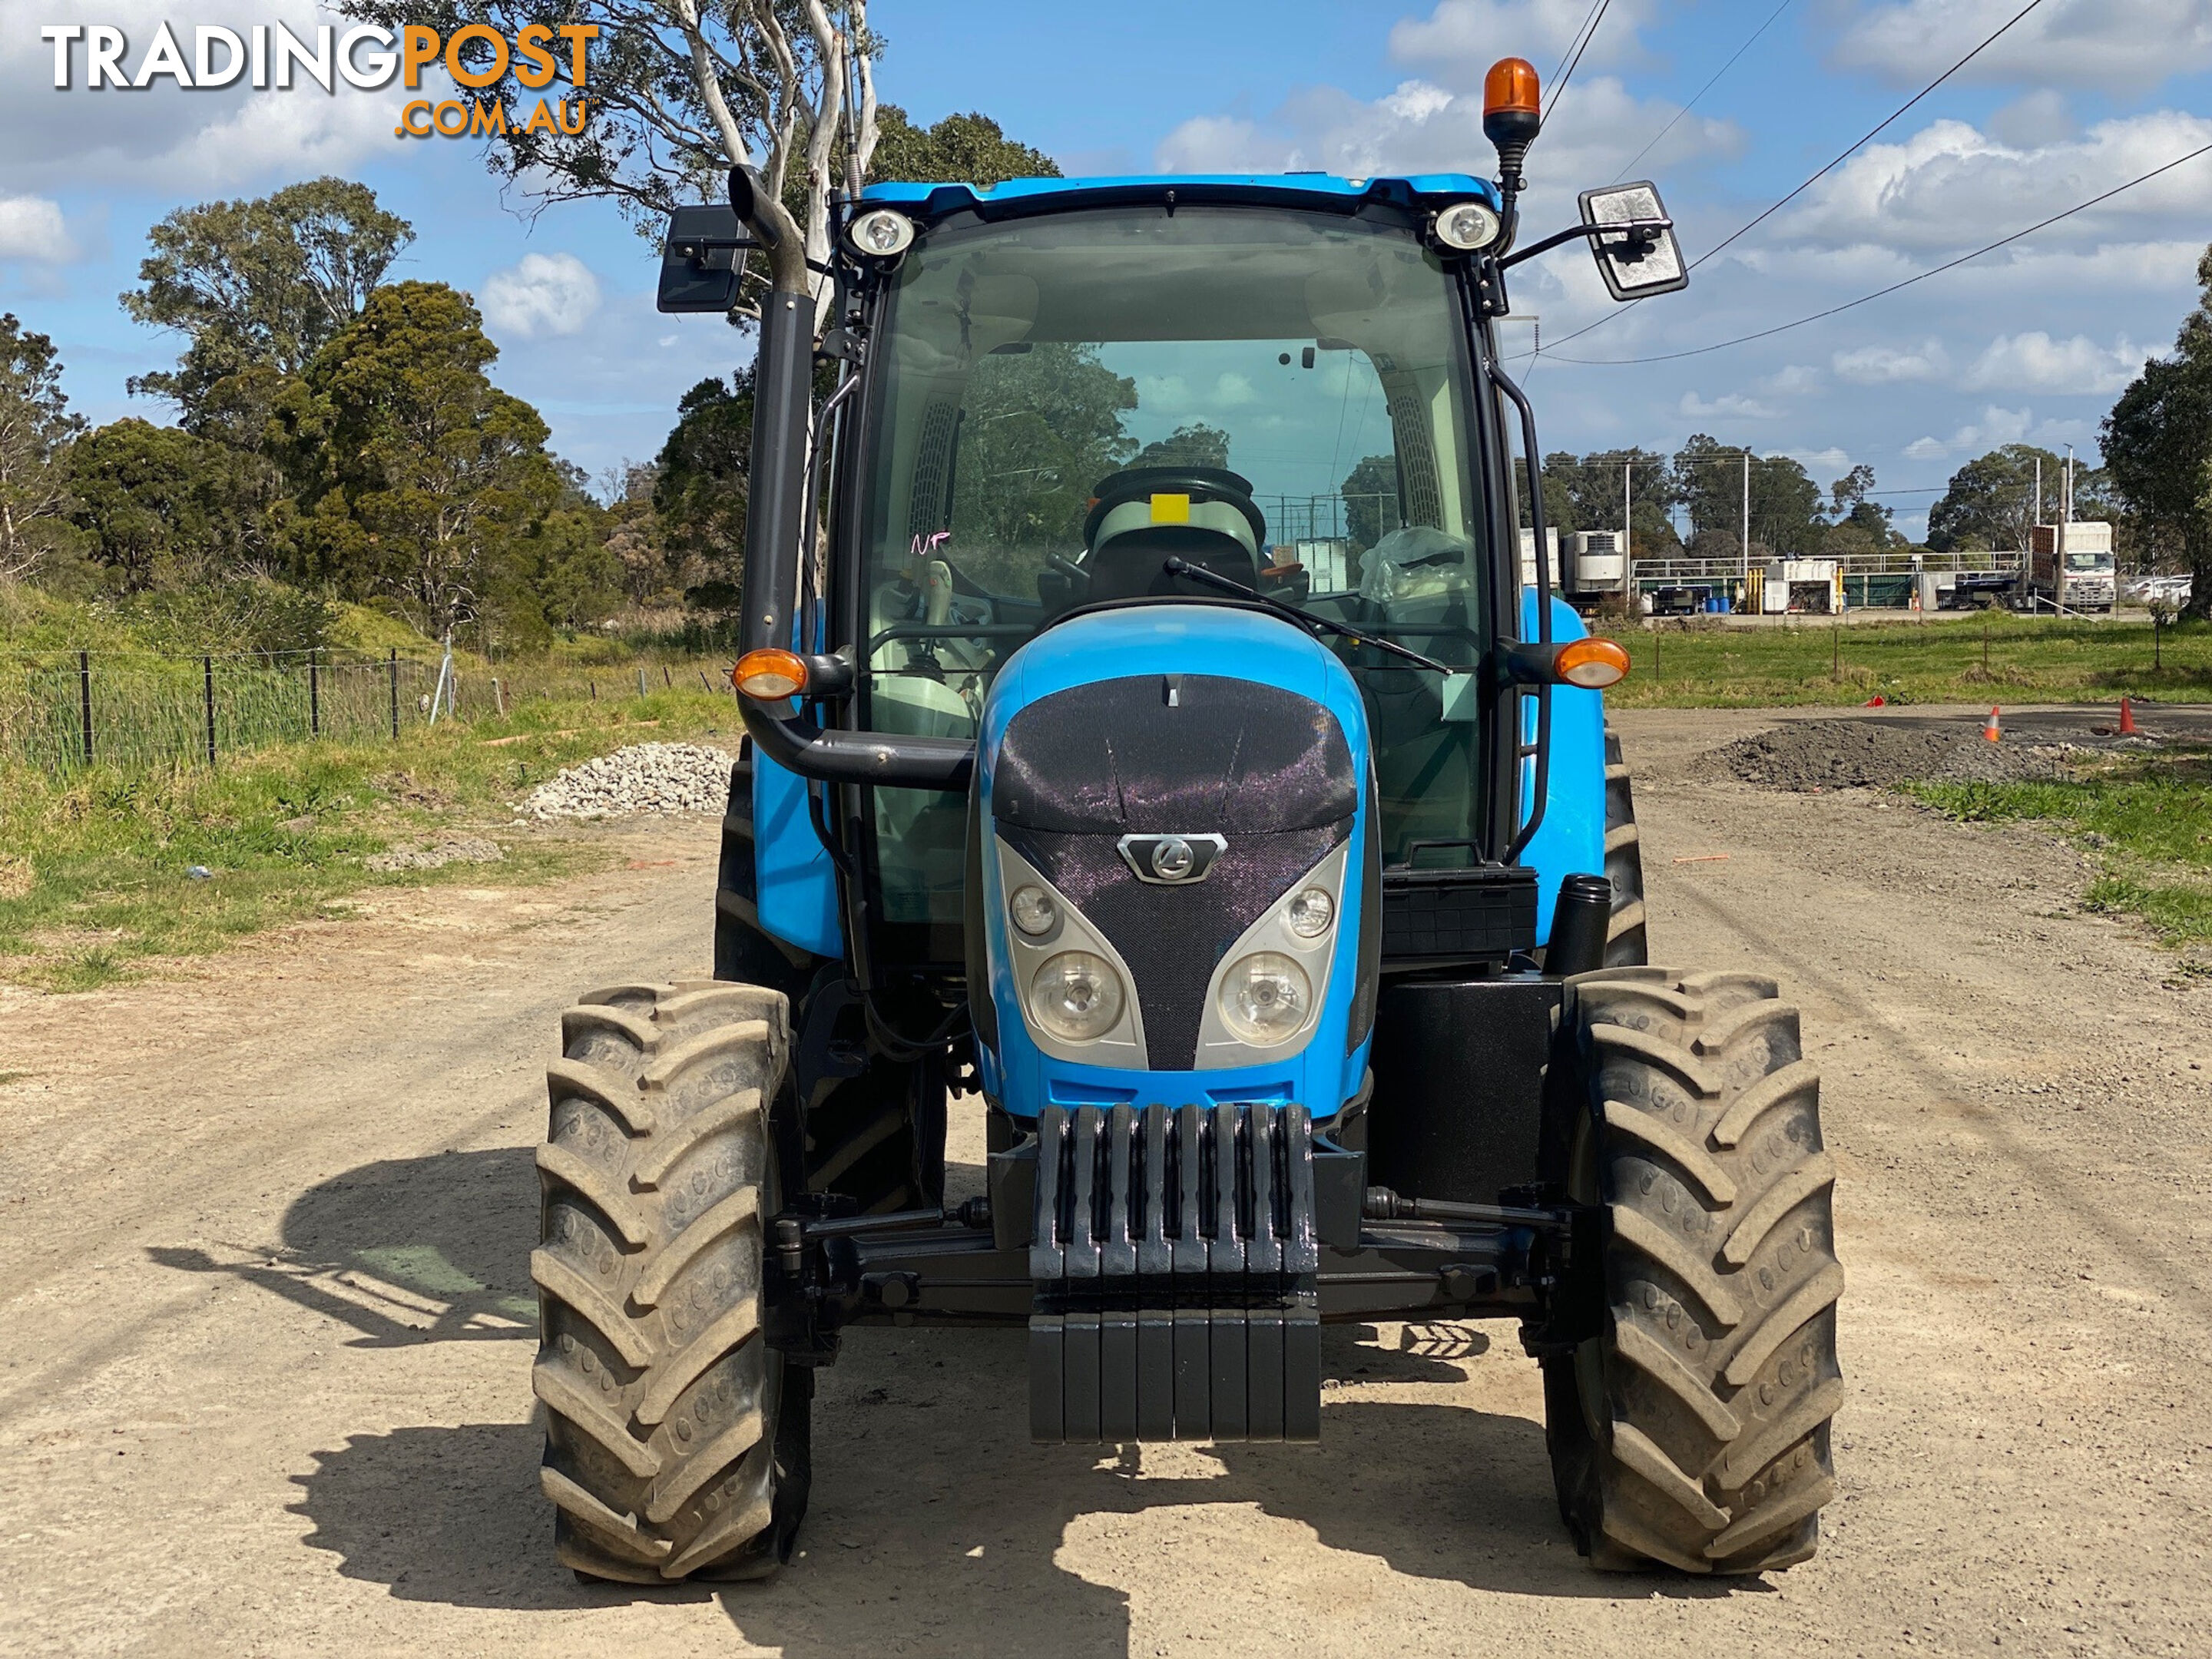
(2032, 343)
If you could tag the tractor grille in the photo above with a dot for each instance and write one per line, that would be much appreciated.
(1187, 754)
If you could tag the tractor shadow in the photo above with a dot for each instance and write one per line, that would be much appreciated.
(932, 1514)
(404, 1251)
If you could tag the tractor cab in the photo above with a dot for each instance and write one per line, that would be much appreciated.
(1079, 395)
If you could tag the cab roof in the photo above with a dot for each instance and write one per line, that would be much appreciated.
(1323, 191)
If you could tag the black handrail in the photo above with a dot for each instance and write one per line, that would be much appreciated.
(1542, 780)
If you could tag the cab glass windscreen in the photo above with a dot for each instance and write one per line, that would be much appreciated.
(1062, 401)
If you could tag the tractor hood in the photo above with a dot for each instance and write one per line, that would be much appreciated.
(1170, 778)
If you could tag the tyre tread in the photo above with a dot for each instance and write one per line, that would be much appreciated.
(1709, 1448)
(662, 1456)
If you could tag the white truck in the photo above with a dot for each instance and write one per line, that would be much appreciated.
(1596, 568)
(2070, 566)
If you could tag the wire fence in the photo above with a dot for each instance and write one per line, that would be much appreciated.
(62, 712)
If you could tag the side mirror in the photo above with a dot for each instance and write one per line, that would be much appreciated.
(701, 259)
(1642, 258)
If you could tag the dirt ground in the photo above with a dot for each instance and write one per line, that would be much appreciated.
(264, 1387)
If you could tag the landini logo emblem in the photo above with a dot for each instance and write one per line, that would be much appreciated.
(1172, 860)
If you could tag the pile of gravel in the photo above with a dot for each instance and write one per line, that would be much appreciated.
(645, 777)
(436, 854)
(1812, 755)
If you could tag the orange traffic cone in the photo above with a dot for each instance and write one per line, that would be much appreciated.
(1991, 732)
(2127, 719)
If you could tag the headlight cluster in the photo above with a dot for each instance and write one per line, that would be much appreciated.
(1310, 912)
(1266, 998)
(1033, 911)
(1263, 998)
(1076, 996)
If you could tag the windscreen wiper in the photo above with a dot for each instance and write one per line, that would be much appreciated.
(1175, 565)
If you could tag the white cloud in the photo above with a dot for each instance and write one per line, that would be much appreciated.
(1827, 463)
(1421, 126)
(1461, 38)
(1731, 405)
(32, 229)
(547, 294)
(2123, 45)
(167, 136)
(2033, 362)
(1951, 187)
(2040, 117)
(1794, 380)
(1997, 427)
(1883, 365)
(297, 134)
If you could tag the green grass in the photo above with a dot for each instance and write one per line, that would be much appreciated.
(94, 883)
(2146, 818)
(2031, 660)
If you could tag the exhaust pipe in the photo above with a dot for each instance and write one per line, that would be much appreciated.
(1579, 920)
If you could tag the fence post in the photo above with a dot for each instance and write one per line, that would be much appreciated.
(640, 681)
(314, 694)
(207, 682)
(84, 701)
(392, 672)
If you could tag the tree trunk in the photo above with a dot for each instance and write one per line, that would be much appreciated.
(2197, 540)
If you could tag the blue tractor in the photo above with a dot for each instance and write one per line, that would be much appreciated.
(1161, 728)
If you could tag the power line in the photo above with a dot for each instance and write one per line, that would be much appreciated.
(1589, 33)
(1841, 157)
(1880, 293)
(1573, 41)
(1702, 90)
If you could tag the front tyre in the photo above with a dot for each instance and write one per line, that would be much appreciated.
(1693, 1431)
(676, 1439)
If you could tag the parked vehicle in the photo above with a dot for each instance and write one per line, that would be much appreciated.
(2071, 566)
(1294, 943)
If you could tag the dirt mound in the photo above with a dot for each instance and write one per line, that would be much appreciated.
(1810, 754)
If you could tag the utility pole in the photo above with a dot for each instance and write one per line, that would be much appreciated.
(2065, 518)
(1747, 522)
(1627, 513)
(2022, 588)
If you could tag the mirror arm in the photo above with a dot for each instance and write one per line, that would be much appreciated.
(1633, 229)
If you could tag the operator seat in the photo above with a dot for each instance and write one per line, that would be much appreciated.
(1140, 516)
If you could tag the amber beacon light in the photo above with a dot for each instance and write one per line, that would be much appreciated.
(1511, 99)
(1512, 116)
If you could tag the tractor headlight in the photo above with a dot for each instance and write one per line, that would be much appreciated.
(880, 234)
(1309, 914)
(1265, 999)
(1033, 911)
(1467, 226)
(1076, 996)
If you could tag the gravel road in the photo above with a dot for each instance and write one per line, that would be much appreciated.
(265, 1386)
